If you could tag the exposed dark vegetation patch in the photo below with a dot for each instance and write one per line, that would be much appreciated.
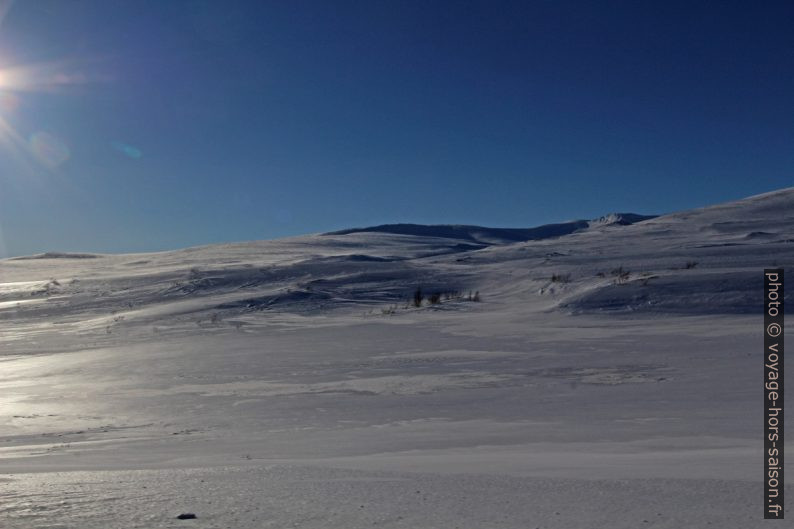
(621, 276)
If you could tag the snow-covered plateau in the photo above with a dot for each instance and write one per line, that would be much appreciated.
(590, 374)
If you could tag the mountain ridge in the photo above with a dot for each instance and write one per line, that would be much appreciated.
(489, 235)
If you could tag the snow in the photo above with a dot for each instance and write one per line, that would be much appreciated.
(289, 383)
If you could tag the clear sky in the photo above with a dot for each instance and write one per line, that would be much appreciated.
(147, 125)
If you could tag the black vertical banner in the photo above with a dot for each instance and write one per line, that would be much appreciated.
(773, 394)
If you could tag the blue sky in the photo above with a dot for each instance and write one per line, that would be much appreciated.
(149, 125)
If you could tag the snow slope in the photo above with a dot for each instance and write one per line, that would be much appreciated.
(608, 378)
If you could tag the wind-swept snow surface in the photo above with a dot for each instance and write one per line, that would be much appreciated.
(609, 377)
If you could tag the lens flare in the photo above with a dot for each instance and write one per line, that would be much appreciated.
(127, 150)
(51, 77)
(48, 149)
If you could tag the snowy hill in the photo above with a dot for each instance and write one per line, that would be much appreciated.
(489, 236)
(697, 262)
(382, 264)
(704, 261)
(294, 381)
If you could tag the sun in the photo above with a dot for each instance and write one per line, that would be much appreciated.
(28, 138)
(20, 140)
(23, 138)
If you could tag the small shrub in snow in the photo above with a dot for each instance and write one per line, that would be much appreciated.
(418, 297)
(690, 264)
(473, 297)
(621, 275)
(561, 278)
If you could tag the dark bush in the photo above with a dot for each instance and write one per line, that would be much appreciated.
(621, 275)
(418, 297)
